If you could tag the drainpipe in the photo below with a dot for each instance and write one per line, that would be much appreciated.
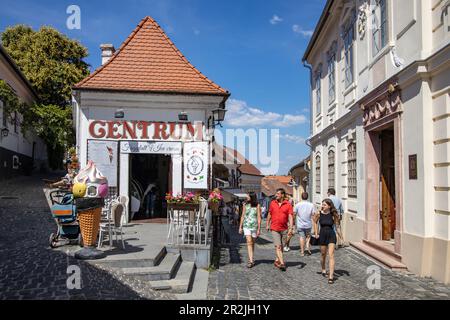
(308, 141)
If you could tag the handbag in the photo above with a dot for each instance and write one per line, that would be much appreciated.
(314, 241)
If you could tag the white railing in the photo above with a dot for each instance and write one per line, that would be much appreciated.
(189, 226)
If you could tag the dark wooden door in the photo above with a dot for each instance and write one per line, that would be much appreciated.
(387, 180)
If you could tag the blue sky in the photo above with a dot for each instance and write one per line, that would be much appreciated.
(253, 48)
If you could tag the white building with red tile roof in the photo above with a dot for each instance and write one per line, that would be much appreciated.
(148, 104)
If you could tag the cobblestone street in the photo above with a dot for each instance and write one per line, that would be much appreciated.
(303, 280)
(29, 269)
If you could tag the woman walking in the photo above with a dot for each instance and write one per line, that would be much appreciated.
(327, 218)
(250, 225)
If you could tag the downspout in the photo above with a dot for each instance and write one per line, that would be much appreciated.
(308, 140)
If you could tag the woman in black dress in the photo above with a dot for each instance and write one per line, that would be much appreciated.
(327, 217)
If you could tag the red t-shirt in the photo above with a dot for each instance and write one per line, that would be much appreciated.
(280, 215)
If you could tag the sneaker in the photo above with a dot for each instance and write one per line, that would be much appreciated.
(287, 249)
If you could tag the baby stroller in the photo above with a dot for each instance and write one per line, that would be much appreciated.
(65, 214)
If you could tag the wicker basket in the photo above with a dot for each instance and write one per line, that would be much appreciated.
(90, 225)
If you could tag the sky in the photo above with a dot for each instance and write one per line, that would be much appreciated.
(253, 48)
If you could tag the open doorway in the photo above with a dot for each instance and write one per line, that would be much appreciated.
(387, 184)
(149, 184)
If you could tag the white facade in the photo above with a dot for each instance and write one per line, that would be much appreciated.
(102, 105)
(18, 150)
(410, 73)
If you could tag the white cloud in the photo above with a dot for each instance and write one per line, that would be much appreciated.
(306, 33)
(293, 138)
(275, 19)
(239, 114)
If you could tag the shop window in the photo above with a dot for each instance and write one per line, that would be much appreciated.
(379, 26)
(318, 174)
(331, 169)
(352, 181)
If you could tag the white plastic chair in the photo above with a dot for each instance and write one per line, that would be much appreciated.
(113, 224)
(124, 200)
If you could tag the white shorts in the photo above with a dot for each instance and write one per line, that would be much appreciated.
(250, 232)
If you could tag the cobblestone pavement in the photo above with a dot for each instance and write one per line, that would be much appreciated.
(29, 269)
(303, 280)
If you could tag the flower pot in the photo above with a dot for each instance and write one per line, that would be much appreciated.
(214, 206)
(183, 206)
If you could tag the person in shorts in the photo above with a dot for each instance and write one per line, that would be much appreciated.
(304, 212)
(250, 225)
(280, 221)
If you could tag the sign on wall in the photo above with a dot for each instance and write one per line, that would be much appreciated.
(105, 156)
(156, 147)
(195, 165)
(413, 167)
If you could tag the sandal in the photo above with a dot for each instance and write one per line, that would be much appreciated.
(250, 264)
(282, 267)
(330, 281)
(324, 274)
(277, 264)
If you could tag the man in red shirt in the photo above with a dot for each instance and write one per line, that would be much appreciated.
(280, 221)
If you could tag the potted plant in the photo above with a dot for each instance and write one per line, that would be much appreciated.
(214, 201)
(187, 201)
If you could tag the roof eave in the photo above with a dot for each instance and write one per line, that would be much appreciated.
(18, 71)
(224, 94)
(318, 29)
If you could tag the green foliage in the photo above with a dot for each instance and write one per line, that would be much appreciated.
(53, 63)
(10, 100)
(54, 125)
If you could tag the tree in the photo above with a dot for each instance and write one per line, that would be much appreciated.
(53, 63)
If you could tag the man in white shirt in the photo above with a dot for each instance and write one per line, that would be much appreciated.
(304, 212)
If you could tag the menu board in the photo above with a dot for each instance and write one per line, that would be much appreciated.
(105, 156)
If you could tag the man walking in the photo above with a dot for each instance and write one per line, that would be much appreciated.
(338, 205)
(280, 221)
(304, 212)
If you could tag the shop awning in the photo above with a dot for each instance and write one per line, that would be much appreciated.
(233, 194)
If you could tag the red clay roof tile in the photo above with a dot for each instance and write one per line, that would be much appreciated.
(148, 61)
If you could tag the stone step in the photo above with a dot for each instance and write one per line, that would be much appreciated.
(388, 249)
(199, 287)
(182, 283)
(129, 260)
(164, 271)
(378, 255)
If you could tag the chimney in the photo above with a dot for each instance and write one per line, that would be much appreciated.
(107, 52)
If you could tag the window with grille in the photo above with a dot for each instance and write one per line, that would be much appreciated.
(331, 171)
(379, 26)
(3, 113)
(318, 174)
(352, 181)
(318, 94)
(331, 79)
(349, 36)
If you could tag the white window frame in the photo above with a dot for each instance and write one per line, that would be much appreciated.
(380, 26)
(318, 88)
(348, 36)
(331, 169)
(352, 181)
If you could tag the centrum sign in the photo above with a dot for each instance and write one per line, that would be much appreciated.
(146, 130)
